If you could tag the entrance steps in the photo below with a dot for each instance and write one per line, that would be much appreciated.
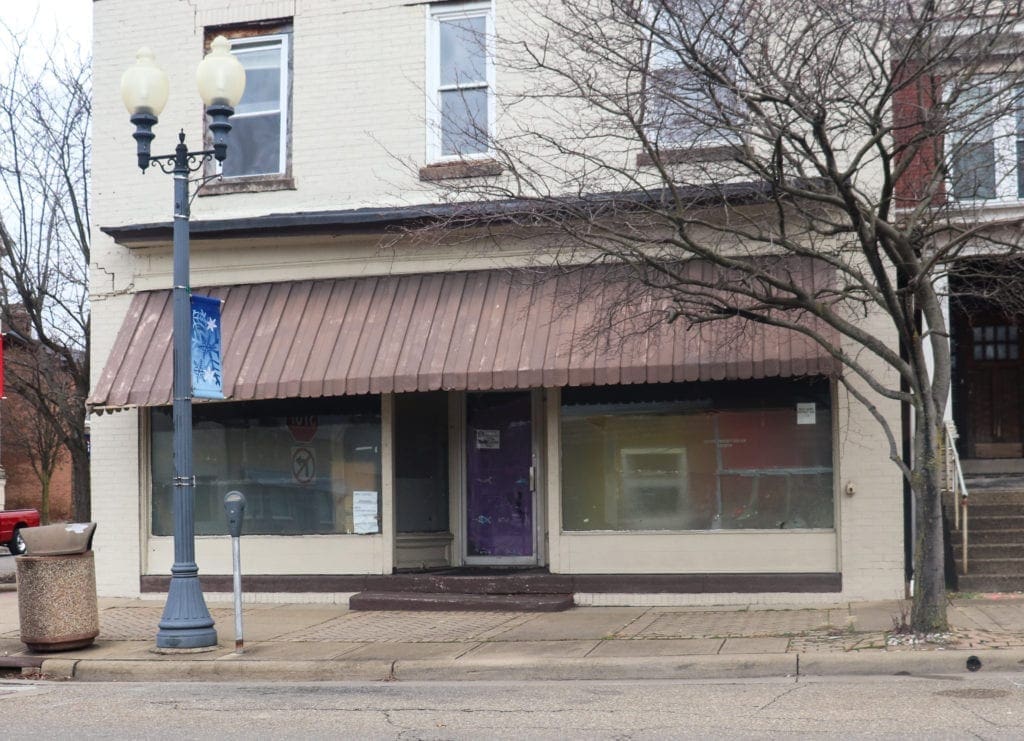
(495, 590)
(995, 538)
(464, 602)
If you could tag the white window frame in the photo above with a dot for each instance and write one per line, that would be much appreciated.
(446, 12)
(1004, 139)
(282, 40)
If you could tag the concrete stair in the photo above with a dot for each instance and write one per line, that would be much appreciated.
(460, 602)
(492, 590)
(995, 541)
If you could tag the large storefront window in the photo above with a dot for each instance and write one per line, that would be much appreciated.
(305, 465)
(752, 455)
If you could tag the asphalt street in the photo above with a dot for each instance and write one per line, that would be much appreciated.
(989, 706)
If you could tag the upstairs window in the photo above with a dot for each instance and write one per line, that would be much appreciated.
(460, 81)
(986, 142)
(259, 145)
(690, 45)
(258, 142)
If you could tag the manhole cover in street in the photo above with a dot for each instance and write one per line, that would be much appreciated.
(977, 693)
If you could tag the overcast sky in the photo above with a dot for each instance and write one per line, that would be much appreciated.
(71, 19)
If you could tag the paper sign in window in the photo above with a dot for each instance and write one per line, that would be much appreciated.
(365, 519)
(806, 414)
(488, 439)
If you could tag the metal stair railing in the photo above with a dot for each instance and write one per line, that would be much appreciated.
(954, 482)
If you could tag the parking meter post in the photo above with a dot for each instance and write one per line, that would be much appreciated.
(236, 561)
(234, 507)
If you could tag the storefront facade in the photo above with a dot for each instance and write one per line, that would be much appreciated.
(401, 403)
(469, 420)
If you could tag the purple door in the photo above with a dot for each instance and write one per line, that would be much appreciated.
(499, 502)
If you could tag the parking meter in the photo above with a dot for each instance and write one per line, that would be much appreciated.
(234, 507)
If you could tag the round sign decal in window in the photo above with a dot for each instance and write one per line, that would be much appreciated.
(303, 429)
(303, 464)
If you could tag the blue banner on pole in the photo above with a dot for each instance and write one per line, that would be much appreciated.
(206, 375)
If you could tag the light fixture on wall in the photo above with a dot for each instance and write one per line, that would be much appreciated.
(186, 621)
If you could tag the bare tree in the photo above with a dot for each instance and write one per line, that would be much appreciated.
(29, 437)
(45, 119)
(862, 135)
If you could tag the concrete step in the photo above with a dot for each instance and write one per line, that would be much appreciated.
(988, 583)
(1006, 536)
(996, 566)
(463, 602)
(995, 496)
(976, 523)
(990, 550)
(984, 508)
(992, 466)
(1006, 504)
(479, 582)
(987, 509)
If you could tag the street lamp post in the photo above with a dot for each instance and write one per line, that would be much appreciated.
(186, 621)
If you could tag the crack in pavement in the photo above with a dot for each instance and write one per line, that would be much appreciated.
(781, 695)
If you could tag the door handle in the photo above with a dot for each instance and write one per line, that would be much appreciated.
(533, 478)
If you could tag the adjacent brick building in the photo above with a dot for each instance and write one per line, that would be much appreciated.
(19, 444)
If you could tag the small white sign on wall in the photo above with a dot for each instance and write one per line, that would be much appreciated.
(806, 413)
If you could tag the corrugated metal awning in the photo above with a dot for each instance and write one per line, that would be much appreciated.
(473, 331)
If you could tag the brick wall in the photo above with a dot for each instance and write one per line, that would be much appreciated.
(23, 488)
(913, 103)
(19, 443)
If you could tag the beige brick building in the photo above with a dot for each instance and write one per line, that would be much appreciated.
(402, 405)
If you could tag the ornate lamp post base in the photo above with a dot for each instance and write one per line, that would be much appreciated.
(186, 623)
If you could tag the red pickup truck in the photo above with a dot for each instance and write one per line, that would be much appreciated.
(11, 522)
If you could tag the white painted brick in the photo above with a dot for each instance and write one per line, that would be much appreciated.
(357, 139)
(115, 503)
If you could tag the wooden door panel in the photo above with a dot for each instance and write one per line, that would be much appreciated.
(994, 399)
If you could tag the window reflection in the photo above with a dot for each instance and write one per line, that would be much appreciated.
(754, 461)
(298, 463)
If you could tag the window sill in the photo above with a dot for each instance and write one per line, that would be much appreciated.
(460, 169)
(249, 184)
(1004, 202)
(687, 155)
(982, 210)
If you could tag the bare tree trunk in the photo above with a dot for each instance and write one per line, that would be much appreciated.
(929, 610)
(80, 496)
(44, 497)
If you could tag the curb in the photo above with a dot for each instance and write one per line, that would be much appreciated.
(750, 666)
(220, 670)
(737, 666)
(913, 663)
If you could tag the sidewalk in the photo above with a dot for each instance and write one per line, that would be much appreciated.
(316, 642)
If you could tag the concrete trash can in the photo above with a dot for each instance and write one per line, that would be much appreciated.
(57, 587)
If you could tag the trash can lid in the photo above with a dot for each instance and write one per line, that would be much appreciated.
(64, 539)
